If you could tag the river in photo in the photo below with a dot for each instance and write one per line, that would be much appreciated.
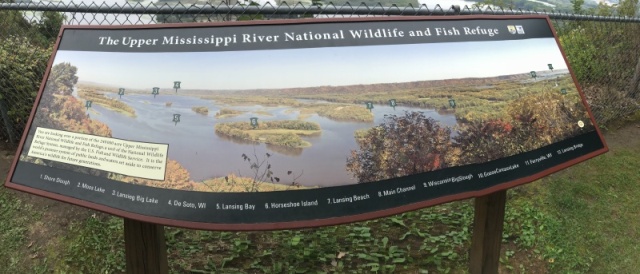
(195, 145)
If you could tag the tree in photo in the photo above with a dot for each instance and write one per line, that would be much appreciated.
(546, 118)
(534, 121)
(482, 141)
(401, 146)
(62, 79)
(58, 109)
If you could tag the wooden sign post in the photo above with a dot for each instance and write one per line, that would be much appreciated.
(487, 233)
(145, 247)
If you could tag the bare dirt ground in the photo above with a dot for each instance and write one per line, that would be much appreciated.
(51, 227)
(625, 136)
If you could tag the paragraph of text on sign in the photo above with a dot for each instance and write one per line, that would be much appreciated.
(137, 159)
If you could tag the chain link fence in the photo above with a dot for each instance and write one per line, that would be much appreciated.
(603, 48)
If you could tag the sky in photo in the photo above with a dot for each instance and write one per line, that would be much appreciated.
(334, 66)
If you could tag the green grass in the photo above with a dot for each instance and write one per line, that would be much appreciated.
(434, 239)
(17, 251)
(596, 210)
(94, 245)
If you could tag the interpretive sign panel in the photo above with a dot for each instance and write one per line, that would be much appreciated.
(285, 124)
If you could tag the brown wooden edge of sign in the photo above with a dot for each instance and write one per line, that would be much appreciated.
(306, 223)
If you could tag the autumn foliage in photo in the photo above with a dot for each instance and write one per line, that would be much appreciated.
(413, 143)
(403, 145)
(59, 109)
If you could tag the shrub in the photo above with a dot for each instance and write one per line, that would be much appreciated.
(22, 65)
(401, 146)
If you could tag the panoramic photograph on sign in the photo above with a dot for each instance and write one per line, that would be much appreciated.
(285, 124)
